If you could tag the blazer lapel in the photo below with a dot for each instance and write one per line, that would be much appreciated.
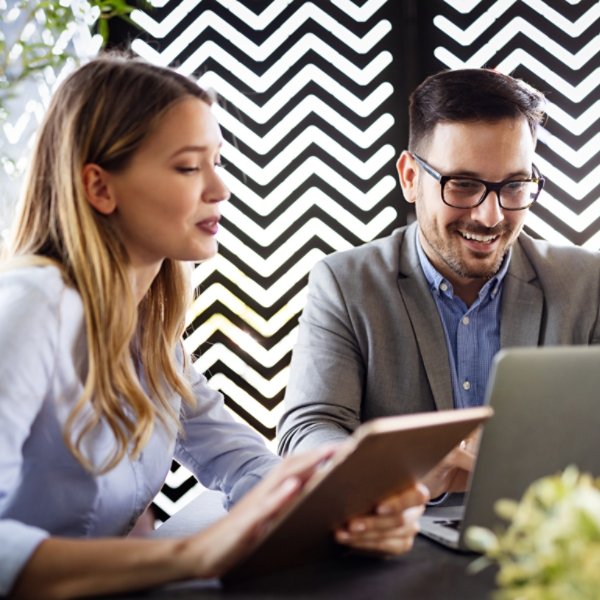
(426, 322)
(522, 303)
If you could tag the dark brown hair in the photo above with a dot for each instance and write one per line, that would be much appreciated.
(470, 95)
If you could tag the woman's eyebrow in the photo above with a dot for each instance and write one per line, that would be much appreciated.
(194, 148)
(185, 149)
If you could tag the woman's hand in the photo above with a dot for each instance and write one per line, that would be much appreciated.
(212, 551)
(74, 568)
(392, 528)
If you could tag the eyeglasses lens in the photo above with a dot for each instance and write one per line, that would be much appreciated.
(465, 193)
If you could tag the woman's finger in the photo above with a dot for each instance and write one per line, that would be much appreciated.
(302, 466)
(248, 520)
(285, 481)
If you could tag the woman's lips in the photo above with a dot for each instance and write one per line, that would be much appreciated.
(210, 226)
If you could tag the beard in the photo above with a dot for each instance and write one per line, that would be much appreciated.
(467, 264)
(446, 247)
(483, 266)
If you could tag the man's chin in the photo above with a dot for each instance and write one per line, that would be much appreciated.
(476, 266)
(479, 271)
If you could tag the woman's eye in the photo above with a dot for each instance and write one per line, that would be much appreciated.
(187, 169)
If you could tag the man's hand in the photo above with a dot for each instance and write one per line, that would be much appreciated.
(453, 472)
(392, 528)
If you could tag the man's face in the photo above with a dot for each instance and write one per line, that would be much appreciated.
(468, 245)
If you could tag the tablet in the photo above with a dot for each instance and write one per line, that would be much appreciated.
(385, 456)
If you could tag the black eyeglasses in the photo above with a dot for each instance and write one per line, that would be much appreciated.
(469, 192)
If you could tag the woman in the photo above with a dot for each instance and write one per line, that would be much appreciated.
(96, 394)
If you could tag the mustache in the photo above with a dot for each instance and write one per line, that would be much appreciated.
(474, 229)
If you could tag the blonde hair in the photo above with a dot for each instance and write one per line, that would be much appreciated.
(101, 114)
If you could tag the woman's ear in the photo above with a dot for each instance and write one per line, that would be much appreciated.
(97, 189)
(408, 174)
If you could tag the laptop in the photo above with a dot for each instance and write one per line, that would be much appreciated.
(546, 403)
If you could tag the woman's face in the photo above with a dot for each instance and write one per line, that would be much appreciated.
(167, 198)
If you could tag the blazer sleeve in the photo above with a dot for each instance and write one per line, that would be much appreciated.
(323, 396)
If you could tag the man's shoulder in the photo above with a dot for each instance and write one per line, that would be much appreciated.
(559, 256)
(383, 251)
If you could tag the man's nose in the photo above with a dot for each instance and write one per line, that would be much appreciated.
(489, 213)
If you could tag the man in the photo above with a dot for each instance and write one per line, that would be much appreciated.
(411, 322)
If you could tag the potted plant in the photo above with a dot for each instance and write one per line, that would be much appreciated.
(550, 549)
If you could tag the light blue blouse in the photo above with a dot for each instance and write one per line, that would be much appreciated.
(43, 489)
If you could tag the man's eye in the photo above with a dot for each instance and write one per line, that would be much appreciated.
(464, 185)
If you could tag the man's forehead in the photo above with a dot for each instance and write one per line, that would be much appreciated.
(493, 149)
(514, 123)
(480, 132)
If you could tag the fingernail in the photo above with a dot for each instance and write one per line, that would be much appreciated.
(357, 526)
(289, 485)
(384, 509)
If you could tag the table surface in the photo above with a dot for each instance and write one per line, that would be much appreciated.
(428, 572)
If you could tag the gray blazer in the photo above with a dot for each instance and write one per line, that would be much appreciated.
(371, 341)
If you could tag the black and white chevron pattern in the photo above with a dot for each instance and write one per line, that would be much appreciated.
(555, 46)
(313, 112)
(305, 111)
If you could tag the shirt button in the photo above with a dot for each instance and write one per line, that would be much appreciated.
(465, 320)
(466, 385)
(444, 287)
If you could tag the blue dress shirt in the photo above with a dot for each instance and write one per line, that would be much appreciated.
(472, 333)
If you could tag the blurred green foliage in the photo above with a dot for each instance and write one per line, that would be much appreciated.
(550, 549)
(35, 39)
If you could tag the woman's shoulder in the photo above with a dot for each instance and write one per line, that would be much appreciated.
(42, 277)
(34, 283)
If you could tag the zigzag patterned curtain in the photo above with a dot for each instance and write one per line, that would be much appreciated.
(313, 104)
(307, 96)
(555, 46)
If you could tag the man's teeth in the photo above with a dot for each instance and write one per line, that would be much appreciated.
(484, 239)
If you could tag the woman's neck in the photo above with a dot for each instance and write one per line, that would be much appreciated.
(141, 278)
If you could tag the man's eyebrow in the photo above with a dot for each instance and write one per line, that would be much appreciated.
(474, 175)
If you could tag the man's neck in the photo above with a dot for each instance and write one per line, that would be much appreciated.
(467, 291)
